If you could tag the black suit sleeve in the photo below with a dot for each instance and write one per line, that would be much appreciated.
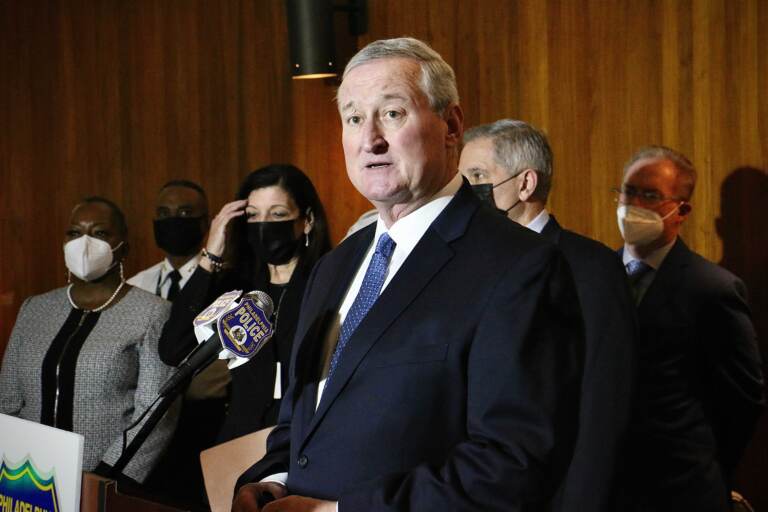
(735, 377)
(608, 386)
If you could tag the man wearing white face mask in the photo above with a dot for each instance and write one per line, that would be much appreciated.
(701, 387)
(653, 204)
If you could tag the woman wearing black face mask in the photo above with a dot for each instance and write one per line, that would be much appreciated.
(268, 239)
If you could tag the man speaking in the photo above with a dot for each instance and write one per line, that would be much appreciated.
(438, 351)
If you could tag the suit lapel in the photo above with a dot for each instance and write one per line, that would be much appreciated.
(340, 271)
(429, 256)
(321, 309)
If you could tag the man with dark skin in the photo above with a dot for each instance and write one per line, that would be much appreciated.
(180, 224)
(181, 221)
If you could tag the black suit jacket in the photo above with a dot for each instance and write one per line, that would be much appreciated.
(701, 387)
(458, 390)
(609, 369)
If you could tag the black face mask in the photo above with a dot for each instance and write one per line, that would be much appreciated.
(179, 236)
(273, 242)
(485, 192)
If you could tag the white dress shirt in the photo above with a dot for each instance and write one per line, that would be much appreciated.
(156, 279)
(538, 222)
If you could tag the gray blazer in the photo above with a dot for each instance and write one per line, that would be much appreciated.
(117, 377)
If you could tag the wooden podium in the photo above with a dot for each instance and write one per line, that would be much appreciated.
(99, 494)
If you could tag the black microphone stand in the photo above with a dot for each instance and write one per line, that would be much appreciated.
(203, 355)
(146, 428)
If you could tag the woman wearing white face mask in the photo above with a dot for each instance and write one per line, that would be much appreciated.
(84, 357)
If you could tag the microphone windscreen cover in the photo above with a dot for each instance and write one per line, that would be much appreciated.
(263, 300)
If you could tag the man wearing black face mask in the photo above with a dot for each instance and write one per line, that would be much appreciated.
(180, 224)
(513, 160)
(181, 221)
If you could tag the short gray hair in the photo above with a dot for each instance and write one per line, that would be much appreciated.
(686, 172)
(438, 81)
(518, 146)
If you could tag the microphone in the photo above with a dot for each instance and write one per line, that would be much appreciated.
(242, 329)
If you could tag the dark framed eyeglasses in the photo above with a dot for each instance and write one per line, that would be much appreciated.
(646, 196)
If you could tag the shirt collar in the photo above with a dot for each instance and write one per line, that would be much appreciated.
(186, 269)
(654, 259)
(538, 222)
(407, 231)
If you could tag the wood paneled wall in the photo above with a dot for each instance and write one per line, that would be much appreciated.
(114, 98)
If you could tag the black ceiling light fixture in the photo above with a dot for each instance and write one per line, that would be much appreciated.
(312, 36)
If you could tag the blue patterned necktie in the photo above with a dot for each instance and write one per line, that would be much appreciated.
(636, 269)
(369, 292)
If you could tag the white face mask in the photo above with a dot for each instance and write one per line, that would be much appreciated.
(640, 226)
(89, 258)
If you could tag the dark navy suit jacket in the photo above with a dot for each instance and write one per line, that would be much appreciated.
(459, 389)
(609, 370)
(701, 387)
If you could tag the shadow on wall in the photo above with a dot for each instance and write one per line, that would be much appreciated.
(743, 230)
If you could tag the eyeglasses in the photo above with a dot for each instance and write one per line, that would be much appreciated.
(650, 197)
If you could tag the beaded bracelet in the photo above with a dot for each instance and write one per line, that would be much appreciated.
(217, 263)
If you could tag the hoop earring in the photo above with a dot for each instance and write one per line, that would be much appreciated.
(122, 275)
(69, 276)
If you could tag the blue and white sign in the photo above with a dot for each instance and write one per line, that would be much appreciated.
(40, 467)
